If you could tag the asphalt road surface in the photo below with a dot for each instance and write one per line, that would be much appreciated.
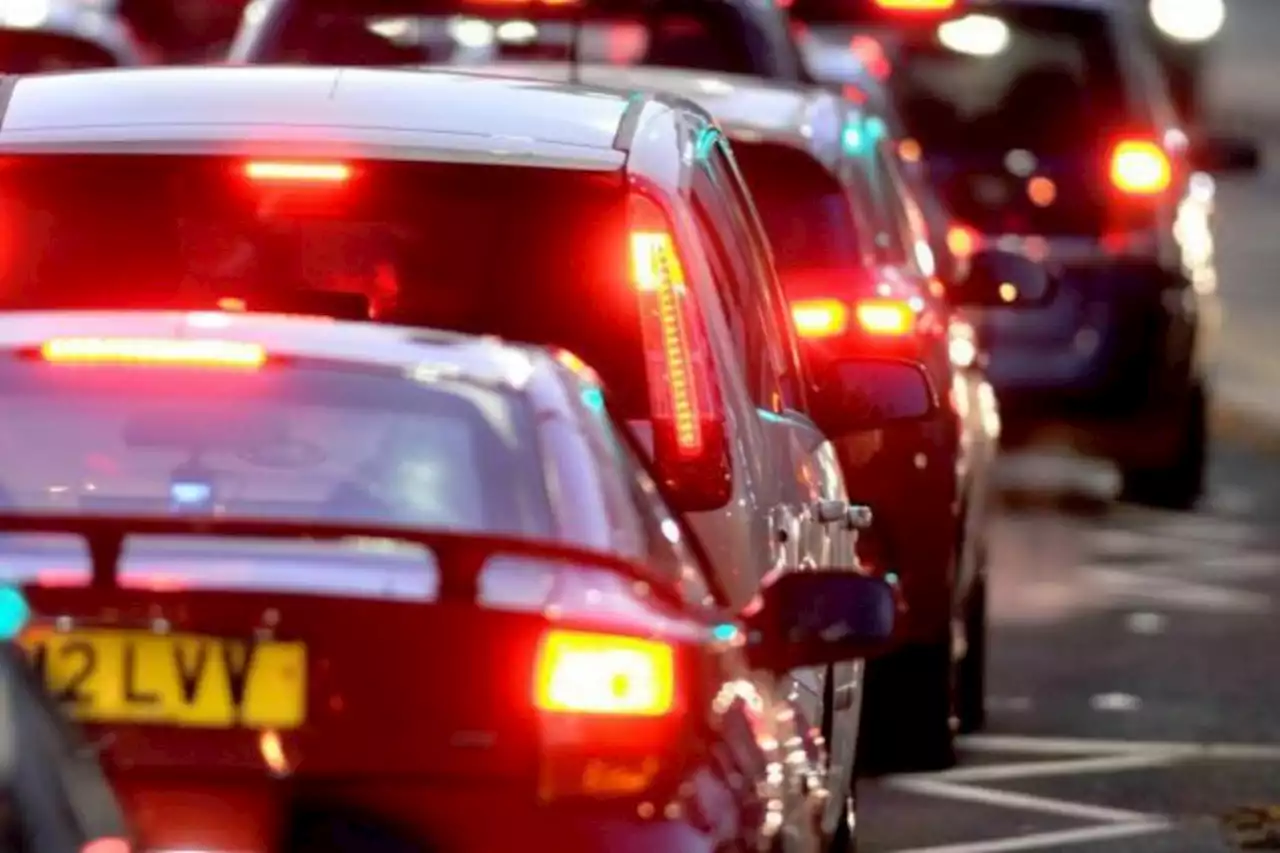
(1134, 698)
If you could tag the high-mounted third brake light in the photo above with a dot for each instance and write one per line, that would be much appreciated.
(819, 318)
(288, 172)
(916, 5)
(176, 352)
(581, 672)
(1140, 167)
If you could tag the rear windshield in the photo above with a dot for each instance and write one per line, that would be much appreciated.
(281, 442)
(806, 212)
(518, 252)
(711, 40)
(1041, 79)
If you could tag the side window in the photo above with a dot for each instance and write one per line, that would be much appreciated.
(776, 371)
(896, 239)
(739, 289)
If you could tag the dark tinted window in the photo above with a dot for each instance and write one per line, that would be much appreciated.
(707, 36)
(1054, 84)
(497, 250)
(278, 442)
(805, 211)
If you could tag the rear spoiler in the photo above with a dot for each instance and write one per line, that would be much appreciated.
(460, 557)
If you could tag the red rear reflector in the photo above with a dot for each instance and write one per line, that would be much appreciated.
(587, 673)
(330, 173)
(1140, 167)
(885, 317)
(107, 845)
(146, 351)
(819, 318)
(916, 5)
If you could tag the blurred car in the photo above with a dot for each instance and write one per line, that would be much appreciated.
(811, 160)
(58, 799)
(60, 35)
(352, 587)
(1106, 188)
(381, 194)
(739, 36)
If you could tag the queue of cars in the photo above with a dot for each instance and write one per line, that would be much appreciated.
(573, 412)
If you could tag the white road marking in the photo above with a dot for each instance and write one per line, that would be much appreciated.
(1051, 840)
(1146, 624)
(1043, 769)
(1014, 800)
(1017, 744)
(1123, 585)
(1123, 702)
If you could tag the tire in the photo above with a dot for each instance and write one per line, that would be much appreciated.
(908, 721)
(971, 676)
(1181, 484)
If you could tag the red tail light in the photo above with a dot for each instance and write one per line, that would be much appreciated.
(1140, 167)
(610, 714)
(819, 318)
(587, 673)
(889, 317)
(690, 450)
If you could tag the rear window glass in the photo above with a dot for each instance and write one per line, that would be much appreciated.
(518, 252)
(1040, 79)
(281, 442)
(710, 40)
(806, 212)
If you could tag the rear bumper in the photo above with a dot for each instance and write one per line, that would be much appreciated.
(1108, 372)
(399, 816)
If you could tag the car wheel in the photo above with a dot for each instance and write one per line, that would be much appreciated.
(1180, 484)
(971, 679)
(908, 713)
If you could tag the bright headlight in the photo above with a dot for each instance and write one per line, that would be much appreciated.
(1189, 20)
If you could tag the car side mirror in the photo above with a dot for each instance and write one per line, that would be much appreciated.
(818, 617)
(1224, 155)
(859, 394)
(1000, 278)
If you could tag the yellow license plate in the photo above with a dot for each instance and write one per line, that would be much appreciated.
(106, 676)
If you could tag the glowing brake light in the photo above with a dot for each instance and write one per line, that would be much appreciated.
(916, 5)
(107, 845)
(588, 673)
(690, 447)
(819, 318)
(1140, 167)
(157, 351)
(885, 317)
(330, 173)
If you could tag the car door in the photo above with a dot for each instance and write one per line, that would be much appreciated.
(816, 485)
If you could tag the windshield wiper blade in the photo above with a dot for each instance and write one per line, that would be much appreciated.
(460, 557)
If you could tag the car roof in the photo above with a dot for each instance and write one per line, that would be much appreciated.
(804, 117)
(415, 351)
(311, 111)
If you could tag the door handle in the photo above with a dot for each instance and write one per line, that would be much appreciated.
(830, 511)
